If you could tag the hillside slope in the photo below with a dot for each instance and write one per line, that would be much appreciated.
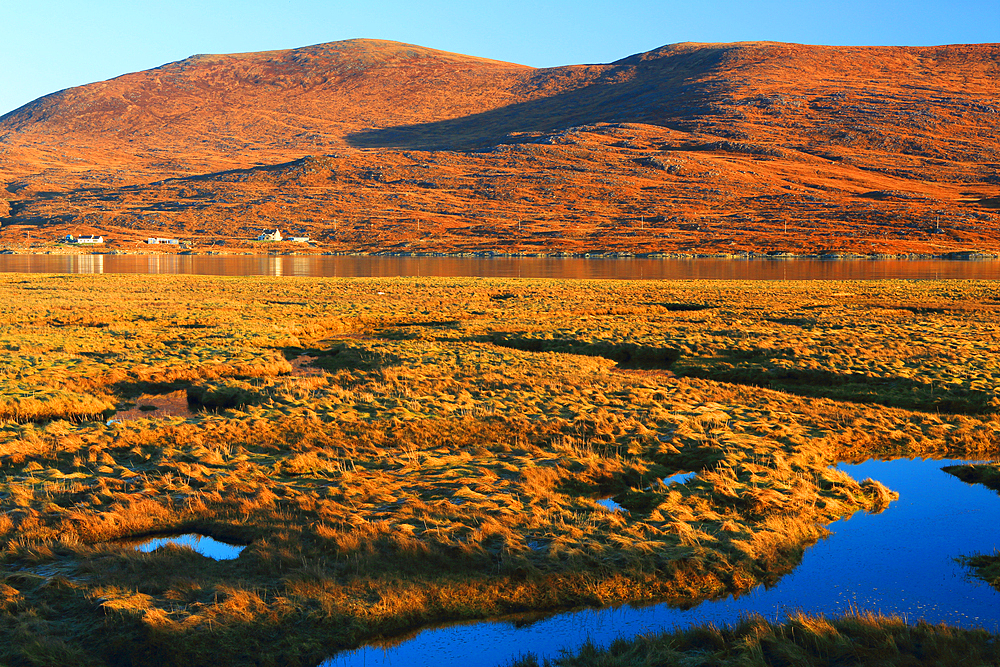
(209, 112)
(690, 147)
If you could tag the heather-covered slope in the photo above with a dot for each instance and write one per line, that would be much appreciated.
(219, 111)
(690, 147)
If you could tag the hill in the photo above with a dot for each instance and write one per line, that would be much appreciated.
(378, 146)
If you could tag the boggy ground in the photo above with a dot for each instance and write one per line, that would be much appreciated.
(855, 639)
(396, 452)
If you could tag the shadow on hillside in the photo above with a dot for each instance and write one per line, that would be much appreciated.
(659, 91)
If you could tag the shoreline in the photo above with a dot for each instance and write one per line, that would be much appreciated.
(969, 255)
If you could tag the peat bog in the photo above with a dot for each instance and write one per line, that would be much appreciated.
(399, 452)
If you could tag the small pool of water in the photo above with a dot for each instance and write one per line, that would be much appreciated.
(154, 406)
(898, 562)
(679, 478)
(203, 544)
(611, 505)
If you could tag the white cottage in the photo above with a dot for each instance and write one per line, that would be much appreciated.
(270, 236)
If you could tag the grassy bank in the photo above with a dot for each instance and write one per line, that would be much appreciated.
(396, 452)
(984, 566)
(804, 641)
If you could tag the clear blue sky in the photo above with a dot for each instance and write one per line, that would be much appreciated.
(53, 44)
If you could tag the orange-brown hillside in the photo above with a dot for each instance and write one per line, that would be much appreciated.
(379, 146)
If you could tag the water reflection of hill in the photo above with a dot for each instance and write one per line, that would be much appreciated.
(510, 267)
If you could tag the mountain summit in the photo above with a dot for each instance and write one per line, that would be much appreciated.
(213, 111)
(692, 133)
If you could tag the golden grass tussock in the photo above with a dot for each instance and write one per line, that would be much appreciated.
(384, 473)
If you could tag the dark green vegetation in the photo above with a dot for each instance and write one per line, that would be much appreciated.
(987, 474)
(397, 452)
(985, 566)
(803, 641)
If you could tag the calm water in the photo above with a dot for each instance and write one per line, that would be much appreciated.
(502, 267)
(203, 544)
(898, 562)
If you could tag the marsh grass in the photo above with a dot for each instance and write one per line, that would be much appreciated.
(390, 460)
(854, 639)
(774, 370)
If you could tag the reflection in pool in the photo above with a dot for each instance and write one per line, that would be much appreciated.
(206, 546)
(898, 562)
(154, 406)
(678, 478)
(610, 505)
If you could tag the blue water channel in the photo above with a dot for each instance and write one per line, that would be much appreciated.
(900, 562)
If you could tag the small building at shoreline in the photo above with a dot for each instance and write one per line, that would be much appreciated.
(89, 238)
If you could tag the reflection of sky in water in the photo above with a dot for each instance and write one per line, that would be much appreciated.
(609, 504)
(680, 478)
(206, 546)
(898, 562)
